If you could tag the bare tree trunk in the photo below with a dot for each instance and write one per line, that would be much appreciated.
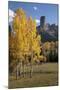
(19, 68)
(31, 68)
(23, 67)
(16, 71)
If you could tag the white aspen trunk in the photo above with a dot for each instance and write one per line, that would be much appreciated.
(31, 68)
(23, 68)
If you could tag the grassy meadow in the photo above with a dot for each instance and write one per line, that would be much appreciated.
(45, 74)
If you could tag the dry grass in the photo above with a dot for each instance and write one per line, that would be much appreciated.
(44, 75)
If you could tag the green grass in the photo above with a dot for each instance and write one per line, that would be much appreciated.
(44, 75)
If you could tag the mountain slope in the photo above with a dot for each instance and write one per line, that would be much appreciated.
(48, 35)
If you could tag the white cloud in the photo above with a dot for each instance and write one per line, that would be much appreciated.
(37, 21)
(35, 8)
(10, 19)
(11, 15)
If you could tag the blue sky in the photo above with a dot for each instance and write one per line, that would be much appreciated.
(36, 10)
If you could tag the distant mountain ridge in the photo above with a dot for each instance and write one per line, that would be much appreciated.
(48, 35)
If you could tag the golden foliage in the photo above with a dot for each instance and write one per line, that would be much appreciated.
(26, 38)
(47, 46)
